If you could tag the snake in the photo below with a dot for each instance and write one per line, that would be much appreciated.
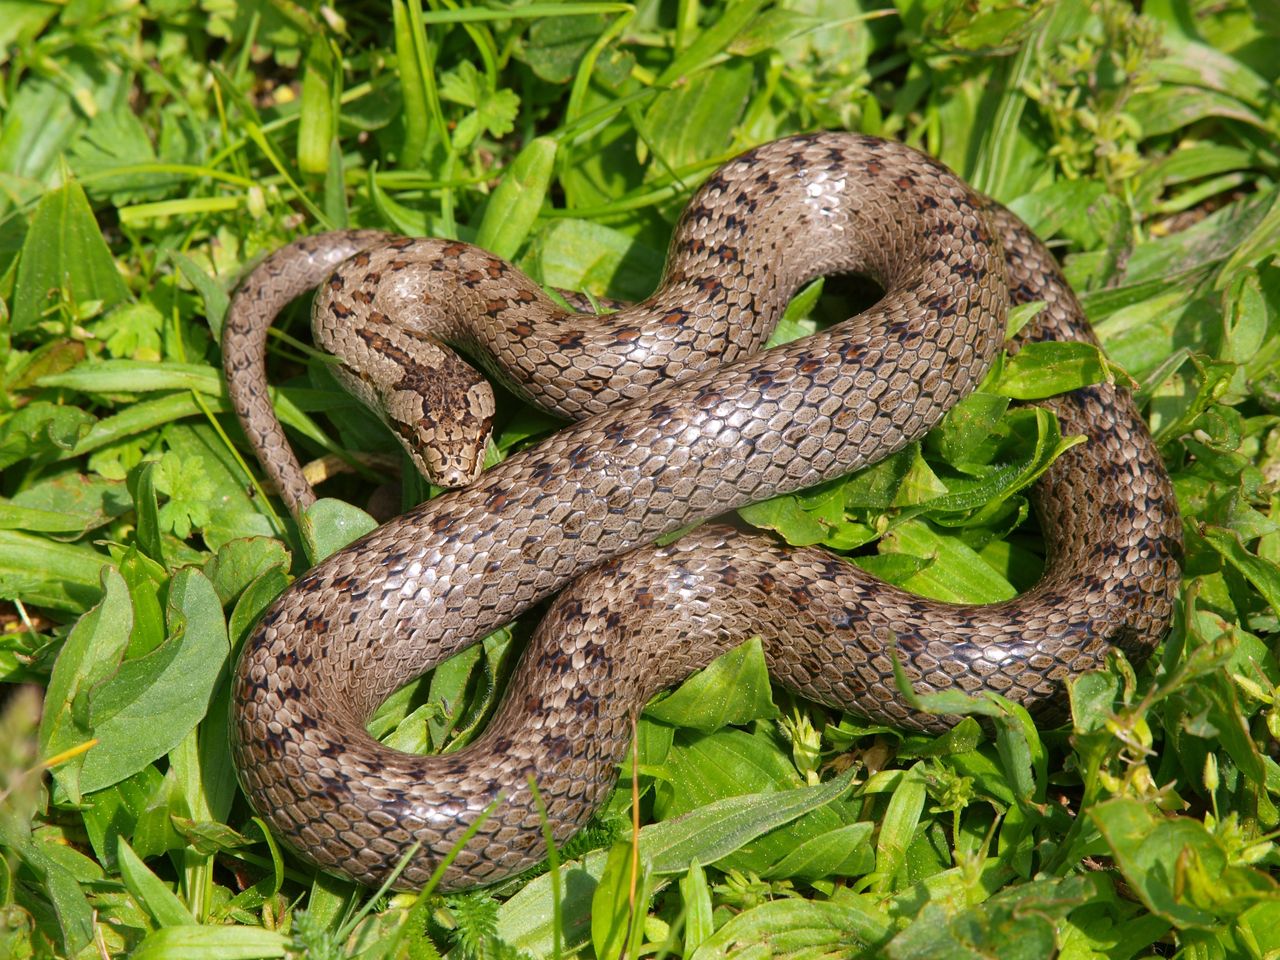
(678, 417)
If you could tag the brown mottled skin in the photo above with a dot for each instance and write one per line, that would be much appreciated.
(695, 426)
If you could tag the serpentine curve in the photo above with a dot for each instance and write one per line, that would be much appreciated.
(682, 423)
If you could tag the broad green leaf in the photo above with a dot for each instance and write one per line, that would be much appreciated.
(956, 574)
(1048, 367)
(60, 576)
(968, 428)
(557, 44)
(1261, 925)
(710, 832)
(137, 418)
(706, 835)
(209, 837)
(785, 515)
(843, 852)
(62, 353)
(66, 504)
(146, 580)
(211, 943)
(695, 121)
(1170, 107)
(91, 653)
(898, 827)
(796, 321)
(115, 812)
(254, 601)
(577, 254)
(1017, 924)
(64, 253)
(138, 376)
(72, 912)
(1202, 65)
(1175, 866)
(1063, 206)
(1021, 752)
(696, 898)
(732, 690)
(1246, 313)
(962, 738)
(1190, 163)
(797, 928)
(39, 123)
(611, 905)
(878, 487)
(152, 702)
(1020, 316)
(513, 208)
(1206, 242)
(146, 508)
(414, 116)
(1263, 240)
(526, 920)
(328, 525)
(774, 28)
(215, 298)
(1094, 697)
(150, 891)
(38, 521)
(42, 429)
(448, 689)
(1263, 574)
(239, 562)
(317, 124)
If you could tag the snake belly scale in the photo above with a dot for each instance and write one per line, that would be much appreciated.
(682, 421)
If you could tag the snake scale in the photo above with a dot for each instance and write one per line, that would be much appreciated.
(679, 419)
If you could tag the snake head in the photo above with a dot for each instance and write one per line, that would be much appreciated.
(439, 407)
(448, 438)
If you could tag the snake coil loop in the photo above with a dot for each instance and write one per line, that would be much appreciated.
(682, 423)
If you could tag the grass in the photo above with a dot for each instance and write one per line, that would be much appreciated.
(150, 152)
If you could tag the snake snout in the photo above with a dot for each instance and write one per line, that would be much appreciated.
(452, 471)
(449, 456)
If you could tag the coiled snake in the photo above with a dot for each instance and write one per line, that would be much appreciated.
(681, 423)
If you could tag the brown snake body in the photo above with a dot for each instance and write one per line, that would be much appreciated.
(429, 583)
